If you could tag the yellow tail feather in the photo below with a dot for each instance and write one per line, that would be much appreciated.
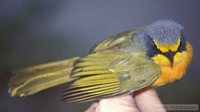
(31, 80)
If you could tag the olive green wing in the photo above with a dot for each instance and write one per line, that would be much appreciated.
(116, 40)
(105, 74)
(113, 41)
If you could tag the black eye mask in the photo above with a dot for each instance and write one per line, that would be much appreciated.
(182, 46)
(152, 50)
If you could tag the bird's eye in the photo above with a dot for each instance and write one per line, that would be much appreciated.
(182, 46)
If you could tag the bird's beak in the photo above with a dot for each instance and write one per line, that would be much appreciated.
(170, 56)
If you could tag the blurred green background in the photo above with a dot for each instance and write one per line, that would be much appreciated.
(39, 31)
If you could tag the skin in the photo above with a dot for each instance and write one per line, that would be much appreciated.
(142, 101)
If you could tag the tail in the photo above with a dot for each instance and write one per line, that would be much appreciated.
(31, 80)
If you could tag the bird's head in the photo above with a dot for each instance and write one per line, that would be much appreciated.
(165, 42)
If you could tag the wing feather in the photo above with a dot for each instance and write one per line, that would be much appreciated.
(113, 41)
(107, 72)
(95, 79)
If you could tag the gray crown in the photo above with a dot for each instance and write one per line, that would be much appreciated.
(164, 31)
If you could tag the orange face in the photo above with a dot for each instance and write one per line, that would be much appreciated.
(171, 72)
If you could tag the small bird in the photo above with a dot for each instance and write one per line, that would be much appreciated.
(149, 56)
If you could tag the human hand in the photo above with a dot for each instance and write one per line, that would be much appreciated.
(146, 100)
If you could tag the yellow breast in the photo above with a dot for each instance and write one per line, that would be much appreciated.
(172, 73)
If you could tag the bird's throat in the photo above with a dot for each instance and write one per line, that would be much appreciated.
(171, 73)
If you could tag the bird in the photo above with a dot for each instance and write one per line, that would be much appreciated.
(150, 56)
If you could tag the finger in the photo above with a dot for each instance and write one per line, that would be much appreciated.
(123, 103)
(92, 108)
(147, 100)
